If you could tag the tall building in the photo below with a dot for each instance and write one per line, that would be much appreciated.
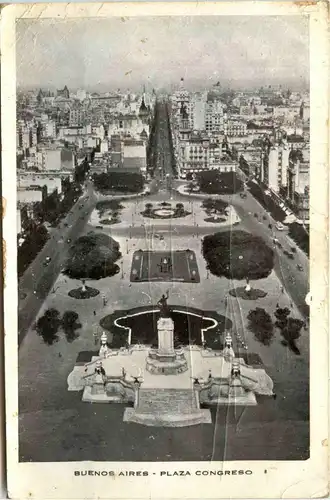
(298, 179)
(63, 93)
(274, 167)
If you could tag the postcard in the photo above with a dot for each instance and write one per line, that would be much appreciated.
(165, 173)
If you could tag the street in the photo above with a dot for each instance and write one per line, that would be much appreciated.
(37, 280)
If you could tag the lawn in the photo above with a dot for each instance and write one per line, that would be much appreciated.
(180, 265)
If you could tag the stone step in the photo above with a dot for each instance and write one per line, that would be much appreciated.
(131, 415)
(167, 401)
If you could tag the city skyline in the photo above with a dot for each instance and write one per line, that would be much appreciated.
(83, 54)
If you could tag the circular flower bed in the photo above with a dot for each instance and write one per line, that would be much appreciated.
(79, 293)
(253, 294)
(165, 213)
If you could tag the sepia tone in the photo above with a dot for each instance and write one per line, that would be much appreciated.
(167, 281)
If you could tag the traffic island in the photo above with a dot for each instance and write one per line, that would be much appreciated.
(86, 292)
(215, 220)
(252, 294)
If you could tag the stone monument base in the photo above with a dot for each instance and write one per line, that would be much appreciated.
(161, 363)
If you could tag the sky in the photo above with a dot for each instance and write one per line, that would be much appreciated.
(106, 54)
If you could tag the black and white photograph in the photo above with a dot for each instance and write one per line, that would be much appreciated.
(163, 167)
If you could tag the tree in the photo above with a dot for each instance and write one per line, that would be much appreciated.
(35, 240)
(215, 182)
(300, 234)
(70, 325)
(237, 255)
(119, 181)
(281, 314)
(102, 206)
(179, 209)
(47, 326)
(217, 205)
(191, 186)
(92, 256)
(260, 323)
(290, 331)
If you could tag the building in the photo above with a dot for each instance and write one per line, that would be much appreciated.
(234, 127)
(298, 179)
(26, 135)
(56, 159)
(29, 195)
(129, 124)
(296, 141)
(49, 129)
(63, 93)
(135, 155)
(200, 153)
(274, 167)
(39, 180)
(18, 221)
(77, 117)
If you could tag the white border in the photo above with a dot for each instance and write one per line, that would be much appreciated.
(284, 479)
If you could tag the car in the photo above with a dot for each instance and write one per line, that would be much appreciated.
(300, 267)
(290, 255)
(65, 224)
(285, 252)
(293, 249)
(256, 216)
(68, 240)
(99, 227)
(264, 217)
(243, 195)
(279, 226)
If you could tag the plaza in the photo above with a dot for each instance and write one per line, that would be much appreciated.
(118, 293)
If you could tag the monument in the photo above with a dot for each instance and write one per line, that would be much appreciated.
(165, 360)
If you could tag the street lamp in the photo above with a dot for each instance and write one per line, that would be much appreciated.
(127, 246)
(122, 269)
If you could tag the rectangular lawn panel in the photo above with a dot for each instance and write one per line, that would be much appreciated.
(180, 265)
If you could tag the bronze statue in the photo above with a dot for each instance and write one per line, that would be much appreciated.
(163, 306)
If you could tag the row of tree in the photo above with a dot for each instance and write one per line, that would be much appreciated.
(50, 210)
(119, 181)
(49, 325)
(215, 182)
(300, 234)
(262, 326)
(35, 238)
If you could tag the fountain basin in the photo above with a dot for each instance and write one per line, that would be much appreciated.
(191, 327)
